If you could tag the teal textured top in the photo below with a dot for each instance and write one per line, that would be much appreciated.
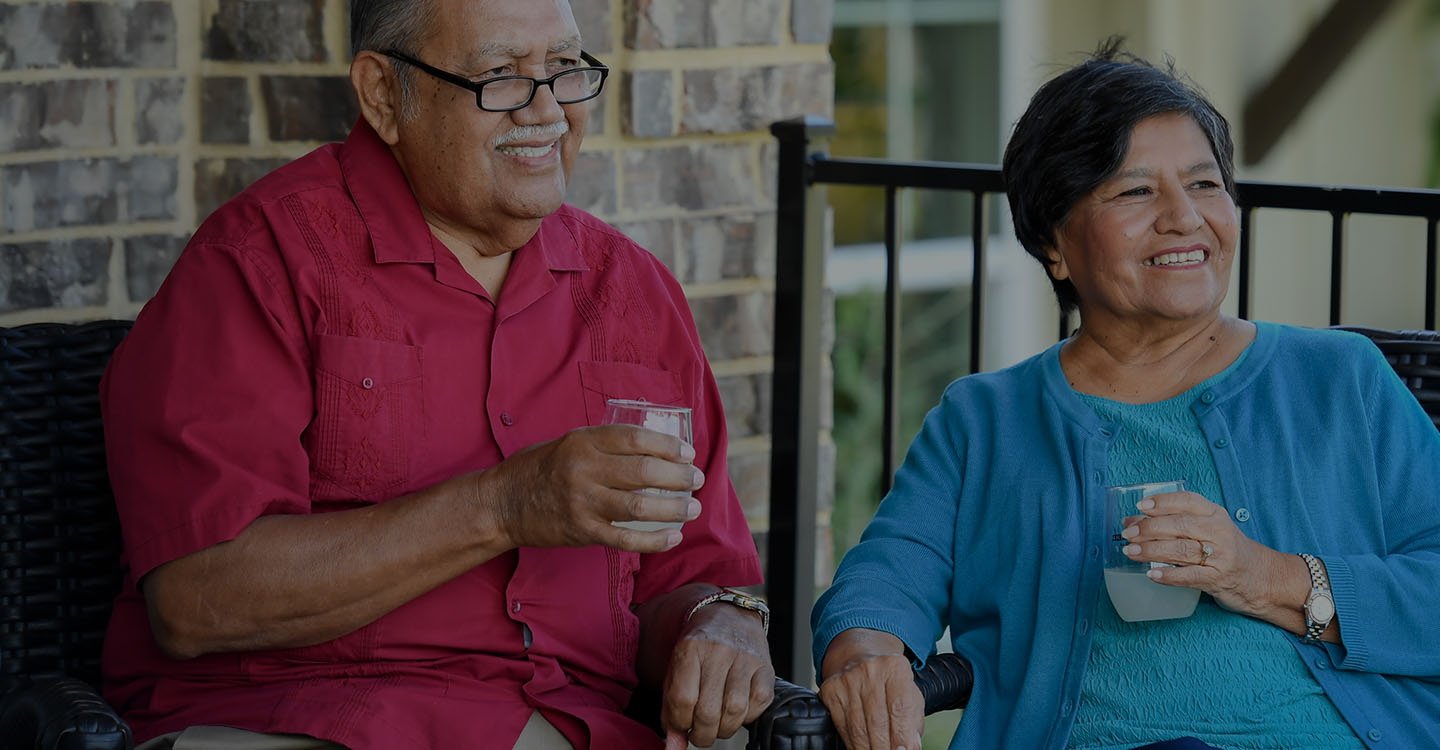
(1156, 680)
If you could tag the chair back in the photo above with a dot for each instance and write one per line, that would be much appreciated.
(59, 535)
(1415, 355)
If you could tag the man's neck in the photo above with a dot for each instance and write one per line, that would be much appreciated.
(486, 257)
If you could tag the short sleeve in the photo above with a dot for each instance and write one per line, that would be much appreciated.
(204, 404)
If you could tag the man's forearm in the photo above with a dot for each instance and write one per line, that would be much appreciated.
(290, 580)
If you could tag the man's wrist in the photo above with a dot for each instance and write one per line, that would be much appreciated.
(733, 598)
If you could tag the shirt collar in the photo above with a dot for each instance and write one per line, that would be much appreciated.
(393, 219)
(383, 197)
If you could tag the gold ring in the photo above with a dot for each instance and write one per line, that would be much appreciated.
(1206, 549)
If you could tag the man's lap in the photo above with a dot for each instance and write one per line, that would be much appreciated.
(539, 734)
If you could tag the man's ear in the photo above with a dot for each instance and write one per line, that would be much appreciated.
(378, 93)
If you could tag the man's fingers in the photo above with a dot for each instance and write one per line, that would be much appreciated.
(681, 691)
(624, 439)
(711, 704)
(676, 740)
(762, 692)
(642, 506)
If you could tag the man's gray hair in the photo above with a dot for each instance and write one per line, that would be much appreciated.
(400, 25)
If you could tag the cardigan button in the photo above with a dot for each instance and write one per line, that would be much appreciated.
(1242, 514)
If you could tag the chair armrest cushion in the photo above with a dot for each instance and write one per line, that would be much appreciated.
(797, 720)
(63, 714)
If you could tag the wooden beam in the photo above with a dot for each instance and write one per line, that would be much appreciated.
(1272, 109)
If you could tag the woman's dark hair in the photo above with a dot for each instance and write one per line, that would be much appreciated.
(1076, 132)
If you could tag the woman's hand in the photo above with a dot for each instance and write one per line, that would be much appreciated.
(1243, 575)
(869, 688)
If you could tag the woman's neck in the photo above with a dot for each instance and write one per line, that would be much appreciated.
(1148, 364)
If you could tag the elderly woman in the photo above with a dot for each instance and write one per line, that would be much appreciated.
(1311, 520)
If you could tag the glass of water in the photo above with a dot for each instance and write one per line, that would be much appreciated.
(671, 420)
(1135, 596)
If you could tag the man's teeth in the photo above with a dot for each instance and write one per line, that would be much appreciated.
(1176, 259)
(527, 150)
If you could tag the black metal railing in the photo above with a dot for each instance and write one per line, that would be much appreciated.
(799, 316)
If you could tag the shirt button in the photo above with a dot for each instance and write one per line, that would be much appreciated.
(1321, 664)
(1222, 443)
(506, 419)
(368, 383)
(1375, 735)
(515, 606)
(1067, 708)
(1208, 397)
(1242, 514)
(1106, 432)
(1084, 627)
(1100, 477)
(1094, 552)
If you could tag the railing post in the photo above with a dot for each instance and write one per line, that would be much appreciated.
(795, 431)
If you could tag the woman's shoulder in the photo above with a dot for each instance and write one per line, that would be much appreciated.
(1336, 344)
(1025, 377)
(1324, 353)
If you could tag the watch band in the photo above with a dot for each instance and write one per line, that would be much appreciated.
(737, 598)
(1320, 599)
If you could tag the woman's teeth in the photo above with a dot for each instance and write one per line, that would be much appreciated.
(1176, 259)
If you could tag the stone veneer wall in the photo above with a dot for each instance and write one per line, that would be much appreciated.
(123, 123)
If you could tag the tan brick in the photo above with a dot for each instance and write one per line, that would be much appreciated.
(688, 177)
(57, 114)
(60, 273)
(736, 326)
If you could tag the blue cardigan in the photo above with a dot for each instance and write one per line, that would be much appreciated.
(996, 528)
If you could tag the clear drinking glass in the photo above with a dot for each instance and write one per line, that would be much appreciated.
(671, 420)
(1135, 596)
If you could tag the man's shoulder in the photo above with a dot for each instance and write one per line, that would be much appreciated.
(249, 209)
(601, 244)
(588, 229)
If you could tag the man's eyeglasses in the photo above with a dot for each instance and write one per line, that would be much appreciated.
(507, 93)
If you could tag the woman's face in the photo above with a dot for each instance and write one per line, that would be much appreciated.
(1155, 242)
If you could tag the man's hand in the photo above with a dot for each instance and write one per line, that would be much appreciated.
(567, 491)
(720, 677)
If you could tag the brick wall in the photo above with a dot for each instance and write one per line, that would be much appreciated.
(123, 123)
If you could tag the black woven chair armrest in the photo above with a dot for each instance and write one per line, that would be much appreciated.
(797, 720)
(945, 681)
(63, 714)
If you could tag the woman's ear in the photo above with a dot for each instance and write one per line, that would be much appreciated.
(1059, 271)
(378, 93)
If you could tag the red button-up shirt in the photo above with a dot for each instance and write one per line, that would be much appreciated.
(316, 349)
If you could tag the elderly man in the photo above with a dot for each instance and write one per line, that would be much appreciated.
(356, 438)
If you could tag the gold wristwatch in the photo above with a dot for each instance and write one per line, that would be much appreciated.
(739, 599)
(1320, 605)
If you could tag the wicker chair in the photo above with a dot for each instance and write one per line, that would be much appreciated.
(59, 538)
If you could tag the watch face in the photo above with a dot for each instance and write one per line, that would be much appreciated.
(1321, 609)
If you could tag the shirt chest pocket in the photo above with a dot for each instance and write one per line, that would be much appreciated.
(369, 407)
(601, 381)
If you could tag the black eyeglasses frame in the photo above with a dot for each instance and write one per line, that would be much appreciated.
(475, 87)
